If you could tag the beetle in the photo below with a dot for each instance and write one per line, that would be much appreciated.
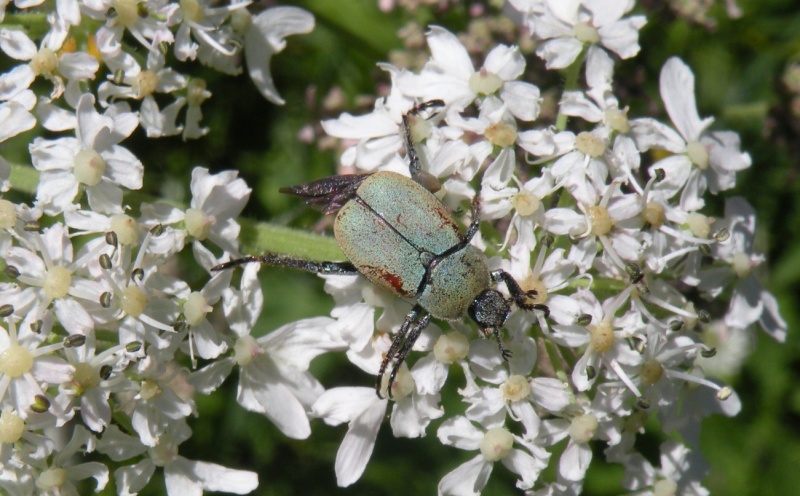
(397, 234)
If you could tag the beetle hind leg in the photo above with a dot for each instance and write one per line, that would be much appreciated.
(416, 320)
(275, 260)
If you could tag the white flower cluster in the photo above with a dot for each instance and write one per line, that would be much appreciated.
(619, 251)
(94, 330)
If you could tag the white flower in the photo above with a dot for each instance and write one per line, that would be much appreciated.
(48, 61)
(181, 475)
(450, 76)
(150, 30)
(265, 37)
(206, 23)
(27, 364)
(273, 370)
(59, 476)
(93, 160)
(750, 302)
(495, 444)
(364, 412)
(565, 27)
(141, 84)
(96, 376)
(702, 159)
(678, 473)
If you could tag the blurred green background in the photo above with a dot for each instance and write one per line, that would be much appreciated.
(739, 66)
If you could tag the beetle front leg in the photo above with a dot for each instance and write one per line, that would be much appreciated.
(519, 296)
(419, 176)
(275, 260)
(416, 320)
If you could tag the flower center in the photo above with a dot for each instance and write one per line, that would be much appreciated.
(57, 282)
(741, 265)
(515, 388)
(582, 428)
(654, 214)
(192, 10)
(526, 203)
(496, 444)
(245, 349)
(125, 228)
(665, 487)
(601, 220)
(89, 167)
(15, 361)
(85, 377)
(451, 347)
(602, 336)
(652, 371)
(8, 215)
(198, 224)
(44, 62)
(699, 225)
(11, 427)
(241, 20)
(698, 154)
(617, 120)
(586, 33)
(149, 389)
(501, 134)
(195, 308)
(134, 301)
(196, 92)
(531, 283)
(51, 478)
(145, 83)
(484, 82)
(589, 144)
(127, 12)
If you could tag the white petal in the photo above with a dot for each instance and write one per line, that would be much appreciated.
(461, 433)
(16, 119)
(16, 80)
(522, 99)
(676, 84)
(343, 404)
(448, 54)
(132, 478)
(16, 44)
(266, 37)
(209, 476)
(357, 445)
(574, 461)
(468, 479)
(505, 61)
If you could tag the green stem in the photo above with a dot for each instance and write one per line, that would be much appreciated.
(35, 25)
(571, 76)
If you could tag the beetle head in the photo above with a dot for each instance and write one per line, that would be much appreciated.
(489, 309)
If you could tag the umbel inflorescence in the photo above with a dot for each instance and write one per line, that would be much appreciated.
(100, 341)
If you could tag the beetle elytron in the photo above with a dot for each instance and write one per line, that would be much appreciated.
(399, 236)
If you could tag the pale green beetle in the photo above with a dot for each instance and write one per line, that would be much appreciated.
(396, 233)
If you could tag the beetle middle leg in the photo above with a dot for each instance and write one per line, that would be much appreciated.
(416, 320)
